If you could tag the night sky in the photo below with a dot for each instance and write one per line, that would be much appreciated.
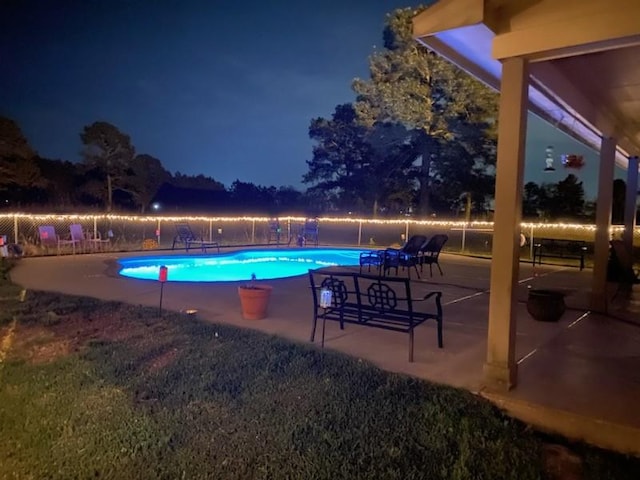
(223, 88)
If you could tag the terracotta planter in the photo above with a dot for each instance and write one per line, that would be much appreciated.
(545, 305)
(254, 301)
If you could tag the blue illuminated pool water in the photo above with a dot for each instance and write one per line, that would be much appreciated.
(235, 266)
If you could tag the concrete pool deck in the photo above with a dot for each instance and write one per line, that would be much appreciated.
(579, 377)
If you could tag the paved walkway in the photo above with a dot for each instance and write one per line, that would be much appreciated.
(579, 377)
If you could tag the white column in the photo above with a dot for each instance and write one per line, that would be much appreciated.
(630, 202)
(500, 369)
(603, 225)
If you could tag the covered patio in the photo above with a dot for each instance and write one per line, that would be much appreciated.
(575, 65)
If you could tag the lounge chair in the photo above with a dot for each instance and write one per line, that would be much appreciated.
(430, 253)
(185, 235)
(405, 257)
(50, 239)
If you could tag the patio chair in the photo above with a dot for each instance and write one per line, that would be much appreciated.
(430, 253)
(275, 231)
(50, 239)
(185, 235)
(405, 257)
(86, 240)
(620, 268)
(308, 233)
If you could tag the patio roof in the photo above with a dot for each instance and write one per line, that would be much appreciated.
(584, 73)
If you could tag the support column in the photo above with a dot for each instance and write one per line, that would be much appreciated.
(630, 203)
(500, 369)
(603, 225)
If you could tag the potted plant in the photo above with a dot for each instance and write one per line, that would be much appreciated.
(545, 305)
(254, 299)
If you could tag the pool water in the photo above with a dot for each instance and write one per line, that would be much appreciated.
(240, 265)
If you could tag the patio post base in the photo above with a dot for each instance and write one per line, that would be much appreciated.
(500, 377)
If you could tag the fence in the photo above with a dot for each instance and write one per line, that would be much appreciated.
(128, 233)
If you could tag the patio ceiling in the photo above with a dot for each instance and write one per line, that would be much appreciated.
(584, 68)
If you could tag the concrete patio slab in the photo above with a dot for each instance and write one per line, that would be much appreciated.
(579, 377)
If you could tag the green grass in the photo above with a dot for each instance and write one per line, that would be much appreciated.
(105, 390)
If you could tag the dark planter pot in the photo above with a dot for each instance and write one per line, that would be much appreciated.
(545, 305)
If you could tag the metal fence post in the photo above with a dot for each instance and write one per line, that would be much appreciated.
(253, 231)
(211, 230)
(95, 227)
(158, 232)
(406, 231)
(360, 233)
(464, 236)
(15, 228)
(531, 243)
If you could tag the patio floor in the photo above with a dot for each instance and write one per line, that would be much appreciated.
(579, 377)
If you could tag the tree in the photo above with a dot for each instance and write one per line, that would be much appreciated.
(110, 152)
(287, 198)
(348, 169)
(618, 201)
(534, 201)
(568, 199)
(12, 141)
(196, 181)
(19, 172)
(340, 153)
(64, 182)
(250, 198)
(436, 102)
(147, 176)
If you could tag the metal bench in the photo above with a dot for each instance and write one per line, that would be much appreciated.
(372, 301)
(565, 249)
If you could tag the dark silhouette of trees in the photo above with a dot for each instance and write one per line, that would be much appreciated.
(20, 175)
(568, 199)
(444, 110)
(13, 143)
(110, 153)
(558, 201)
(196, 181)
(534, 201)
(135, 182)
(146, 177)
(618, 201)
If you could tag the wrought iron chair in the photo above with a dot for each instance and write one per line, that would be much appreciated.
(405, 257)
(430, 253)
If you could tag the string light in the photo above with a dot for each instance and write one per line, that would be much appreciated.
(456, 224)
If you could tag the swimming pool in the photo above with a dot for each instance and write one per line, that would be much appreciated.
(240, 265)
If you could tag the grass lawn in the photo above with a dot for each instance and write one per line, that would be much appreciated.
(107, 390)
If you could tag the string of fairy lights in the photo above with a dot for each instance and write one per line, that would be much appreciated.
(452, 224)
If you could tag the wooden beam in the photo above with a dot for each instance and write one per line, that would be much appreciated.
(447, 15)
(554, 29)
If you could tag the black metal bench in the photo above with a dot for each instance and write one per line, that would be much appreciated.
(565, 249)
(372, 301)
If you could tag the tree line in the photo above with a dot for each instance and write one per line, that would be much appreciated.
(112, 177)
(419, 138)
